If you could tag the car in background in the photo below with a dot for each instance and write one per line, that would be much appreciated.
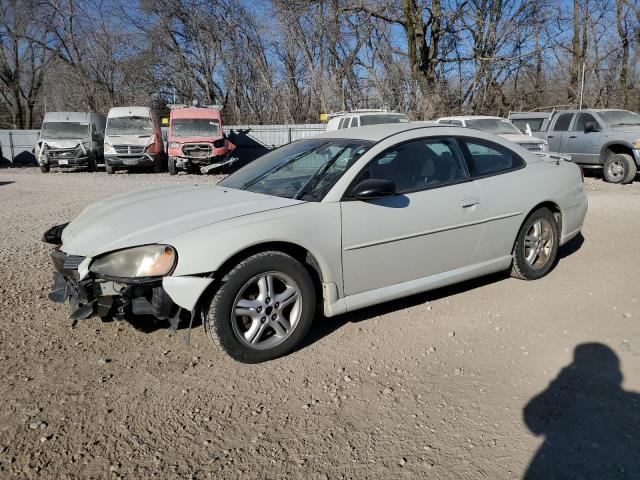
(531, 123)
(607, 139)
(196, 139)
(133, 139)
(364, 117)
(70, 139)
(345, 220)
(498, 126)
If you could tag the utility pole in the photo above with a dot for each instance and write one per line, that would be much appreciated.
(584, 66)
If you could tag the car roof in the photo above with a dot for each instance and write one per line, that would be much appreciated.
(471, 117)
(375, 133)
(521, 115)
(69, 116)
(129, 111)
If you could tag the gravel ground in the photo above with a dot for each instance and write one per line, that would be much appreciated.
(433, 386)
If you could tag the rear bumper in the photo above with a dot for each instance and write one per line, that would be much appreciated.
(573, 219)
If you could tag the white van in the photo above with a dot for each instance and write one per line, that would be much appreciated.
(360, 118)
(133, 139)
(70, 139)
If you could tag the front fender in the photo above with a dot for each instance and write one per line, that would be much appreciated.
(314, 226)
(617, 142)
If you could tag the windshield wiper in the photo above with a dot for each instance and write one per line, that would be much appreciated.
(316, 177)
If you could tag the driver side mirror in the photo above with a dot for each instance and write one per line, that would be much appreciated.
(591, 127)
(373, 188)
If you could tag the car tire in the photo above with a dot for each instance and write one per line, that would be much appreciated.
(279, 312)
(171, 164)
(109, 168)
(158, 166)
(619, 168)
(92, 163)
(45, 168)
(536, 247)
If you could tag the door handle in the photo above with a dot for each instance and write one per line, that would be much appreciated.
(573, 136)
(550, 136)
(469, 202)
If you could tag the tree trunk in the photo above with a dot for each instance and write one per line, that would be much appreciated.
(574, 72)
(624, 41)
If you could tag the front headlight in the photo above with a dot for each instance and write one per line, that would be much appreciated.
(174, 145)
(137, 262)
(108, 148)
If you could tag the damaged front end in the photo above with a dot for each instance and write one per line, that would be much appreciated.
(90, 293)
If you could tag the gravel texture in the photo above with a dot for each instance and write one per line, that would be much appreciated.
(432, 386)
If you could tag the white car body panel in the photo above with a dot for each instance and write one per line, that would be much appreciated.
(366, 252)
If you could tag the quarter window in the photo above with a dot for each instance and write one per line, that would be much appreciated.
(489, 158)
(419, 165)
(562, 123)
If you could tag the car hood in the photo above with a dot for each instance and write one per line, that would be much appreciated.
(62, 143)
(152, 216)
(518, 138)
(129, 139)
(627, 129)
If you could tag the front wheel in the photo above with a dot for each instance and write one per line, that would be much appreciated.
(536, 248)
(109, 168)
(171, 164)
(92, 163)
(263, 308)
(44, 168)
(619, 168)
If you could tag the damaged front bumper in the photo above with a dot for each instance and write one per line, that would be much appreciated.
(89, 295)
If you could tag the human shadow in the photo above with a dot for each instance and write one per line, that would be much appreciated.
(590, 424)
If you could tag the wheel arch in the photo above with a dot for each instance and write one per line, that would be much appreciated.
(549, 204)
(300, 253)
(615, 147)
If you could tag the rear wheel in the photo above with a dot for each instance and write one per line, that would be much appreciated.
(619, 168)
(263, 309)
(536, 248)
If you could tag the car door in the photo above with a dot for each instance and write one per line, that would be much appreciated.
(558, 135)
(432, 225)
(582, 145)
(497, 171)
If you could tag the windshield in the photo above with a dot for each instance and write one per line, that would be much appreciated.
(496, 126)
(616, 118)
(305, 169)
(386, 118)
(195, 127)
(129, 126)
(62, 130)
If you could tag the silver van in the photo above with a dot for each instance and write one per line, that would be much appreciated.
(71, 139)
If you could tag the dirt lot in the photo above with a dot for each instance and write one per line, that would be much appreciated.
(433, 386)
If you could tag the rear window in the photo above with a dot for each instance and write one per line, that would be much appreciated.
(562, 123)
(379, 119)
(535, 124)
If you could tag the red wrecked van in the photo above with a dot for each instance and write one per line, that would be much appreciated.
(197, 139)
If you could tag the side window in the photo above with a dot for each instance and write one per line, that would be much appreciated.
(342, 122)
(562, 123)
(419, 165)
(490, 158)
(582, 120)
(457, 123)
(354, 122)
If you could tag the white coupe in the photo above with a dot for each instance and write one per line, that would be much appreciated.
(342, 220)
